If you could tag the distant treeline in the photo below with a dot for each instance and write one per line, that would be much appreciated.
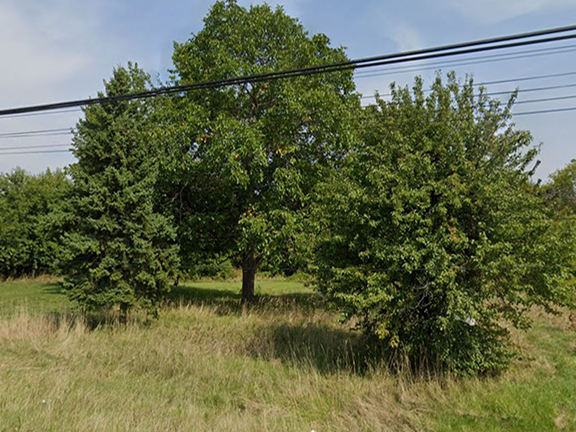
(28, 238)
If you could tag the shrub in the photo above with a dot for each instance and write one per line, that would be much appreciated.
(432, 237)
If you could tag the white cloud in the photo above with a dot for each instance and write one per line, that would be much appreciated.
(32, 62)
(493, 11)
(52, 51)
(406, 37)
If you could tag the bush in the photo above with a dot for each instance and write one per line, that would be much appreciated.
(432, 237)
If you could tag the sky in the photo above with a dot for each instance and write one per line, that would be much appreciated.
(57, 50)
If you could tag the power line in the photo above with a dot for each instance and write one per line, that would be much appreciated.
(63, 111)
(503, 81)
(528, 78)
(43, 132)
(546, 51)
(512, 56)
(548, 111)
(436, 52)
(524, 113)
(532, 89)
(539, 100)
(61, 131)
(550, 99)
(37, 135)
(34, 146)
(34, 152)
(475, 60)
(499, 93)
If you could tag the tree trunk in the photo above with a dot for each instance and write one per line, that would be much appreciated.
(248, 276)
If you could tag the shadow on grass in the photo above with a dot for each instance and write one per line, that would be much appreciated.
(92, 320)
(317, 346)
(195, 295)
(55, 289)
(330, 350)
(227, 301)
(308, 345)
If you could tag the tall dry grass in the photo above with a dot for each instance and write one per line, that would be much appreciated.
(284, 365)
(199, 368)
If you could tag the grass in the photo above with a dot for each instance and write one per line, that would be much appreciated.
(284, 365)
(31, 296)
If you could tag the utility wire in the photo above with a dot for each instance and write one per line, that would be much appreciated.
(34, 132)
(548, 111)
(34, 146)
(546, 51)
(36, 135)
(528, 78)
(472, 61)
(34, 152)
(524, 113)
(521, 102)
(550, 99)
(512, 41)
(512, 80)
(532, 89)
(53, 132)
(498, 93)
(63, 111)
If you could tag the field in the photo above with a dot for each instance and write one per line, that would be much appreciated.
(284, 365)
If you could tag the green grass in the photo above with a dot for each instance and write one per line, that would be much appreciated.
(284, 365)
(33, 297)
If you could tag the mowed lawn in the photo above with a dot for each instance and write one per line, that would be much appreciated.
(286, 364)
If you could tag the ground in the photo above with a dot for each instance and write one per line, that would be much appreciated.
(285, 365)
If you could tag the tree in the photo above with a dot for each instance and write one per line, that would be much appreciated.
(120, 249)
(27, 247)
(248, 155)
(432, 235)
(561, 190)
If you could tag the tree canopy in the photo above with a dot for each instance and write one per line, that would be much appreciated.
(250, 154)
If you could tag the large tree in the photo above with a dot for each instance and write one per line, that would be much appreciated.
(432, 235)
(119, 251)
(248, 155)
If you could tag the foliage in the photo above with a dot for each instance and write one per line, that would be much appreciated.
(560, 191)
(118, 249)
(432, 236)
(246, 156)
(559, 195)
(211, 268)
(27, 244)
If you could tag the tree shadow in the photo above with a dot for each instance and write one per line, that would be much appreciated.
(54, 288)
(317, 346)
(227, 301)
(92, 320)
(188, 295)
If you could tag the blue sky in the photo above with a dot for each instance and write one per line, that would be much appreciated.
(62, 49)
